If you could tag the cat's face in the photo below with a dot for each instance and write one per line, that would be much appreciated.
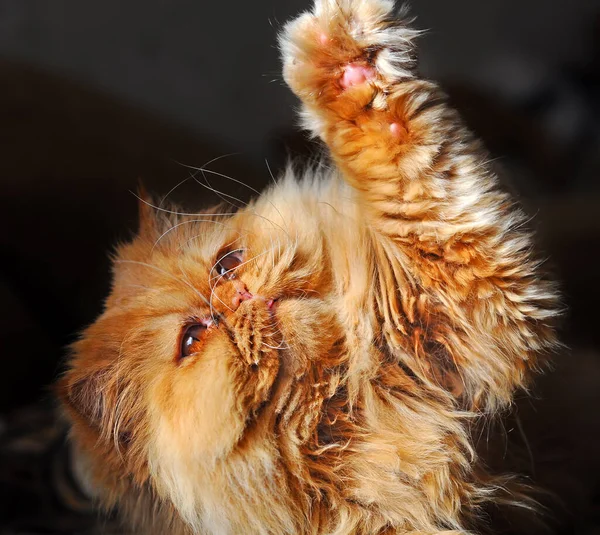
(213, 325)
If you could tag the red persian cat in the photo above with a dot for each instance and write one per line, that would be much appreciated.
(316, 362)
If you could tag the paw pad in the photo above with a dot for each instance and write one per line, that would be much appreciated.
(324, 39)
(398, 130)
(355, 74)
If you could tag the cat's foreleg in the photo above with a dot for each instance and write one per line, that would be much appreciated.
(471, 311)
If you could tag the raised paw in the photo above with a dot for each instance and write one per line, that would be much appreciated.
(345, 55)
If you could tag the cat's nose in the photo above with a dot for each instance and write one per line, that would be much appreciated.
(241, 294)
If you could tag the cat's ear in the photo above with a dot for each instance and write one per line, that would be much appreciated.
(91, 398)
(85, 395)
(97, 390)
(147, 224)
(88, 388)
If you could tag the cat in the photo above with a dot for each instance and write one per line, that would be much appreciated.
(317, 362)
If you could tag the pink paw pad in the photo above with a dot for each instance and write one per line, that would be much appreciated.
(355, 74)
(397, 130)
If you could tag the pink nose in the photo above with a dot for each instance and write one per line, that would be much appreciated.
(241, 294)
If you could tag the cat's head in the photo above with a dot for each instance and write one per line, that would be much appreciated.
(216, 326)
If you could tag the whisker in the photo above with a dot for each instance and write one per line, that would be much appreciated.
(280, 346)
(222, 157)
(190, 177)
(207, 214)
(170, 275)
(212, 292)
(212, 314)
(241, 235)
(220, 194)
(189, 221)
(181, 214)
(243, 263)
(275, 183)
(203, 170)
(173, 189)
(222, 175)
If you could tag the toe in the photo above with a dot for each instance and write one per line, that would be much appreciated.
(355, 74)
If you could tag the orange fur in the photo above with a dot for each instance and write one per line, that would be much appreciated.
(408, 304)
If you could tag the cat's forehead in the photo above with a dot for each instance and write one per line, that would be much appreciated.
(178, 256)
(204, 235)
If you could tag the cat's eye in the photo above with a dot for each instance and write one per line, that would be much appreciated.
(227, 263)
(191, 339)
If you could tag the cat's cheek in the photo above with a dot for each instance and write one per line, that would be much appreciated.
(196, 414)
(310, 329)
(196, 422)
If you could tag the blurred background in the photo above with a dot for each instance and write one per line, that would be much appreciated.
(98, 95)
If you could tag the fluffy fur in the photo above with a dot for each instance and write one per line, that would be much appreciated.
(408, 306)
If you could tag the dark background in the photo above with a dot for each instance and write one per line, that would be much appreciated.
(96, 95)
